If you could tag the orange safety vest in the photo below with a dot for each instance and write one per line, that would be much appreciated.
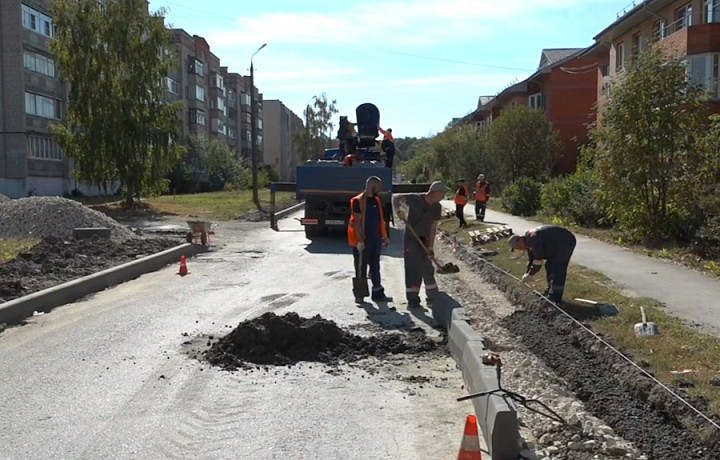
(481, 192)
(460, 199)
(352, 237)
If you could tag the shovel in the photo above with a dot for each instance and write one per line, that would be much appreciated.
(645, 329)
(360, 283)
(441, 269)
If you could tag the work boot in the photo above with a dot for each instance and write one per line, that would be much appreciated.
(381, 297)
(414, 305)
(359, 300)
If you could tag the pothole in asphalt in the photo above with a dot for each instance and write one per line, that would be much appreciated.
(286, 340)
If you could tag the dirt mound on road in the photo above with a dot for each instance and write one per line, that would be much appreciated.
(288, 339)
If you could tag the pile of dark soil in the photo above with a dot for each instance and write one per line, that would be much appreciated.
(611, 388)
(288, 339)
(54, 261)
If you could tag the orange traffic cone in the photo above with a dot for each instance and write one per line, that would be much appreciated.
(183, 267)
(470, 446)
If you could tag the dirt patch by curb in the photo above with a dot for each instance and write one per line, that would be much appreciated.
(285, 340)
(612, 389)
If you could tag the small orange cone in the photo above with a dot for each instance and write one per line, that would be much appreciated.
(470, 446)
(183, 267)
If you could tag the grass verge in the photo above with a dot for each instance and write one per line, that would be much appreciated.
(678, 346)
(672, 251)
(214, 206)
(11, 247)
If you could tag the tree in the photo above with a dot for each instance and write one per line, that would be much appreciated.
(118, 126)
(319, 129)
(652, 154)
(522, 143)
(461, 153)
(209, 165)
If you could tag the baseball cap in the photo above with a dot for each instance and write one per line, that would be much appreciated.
(436, 186)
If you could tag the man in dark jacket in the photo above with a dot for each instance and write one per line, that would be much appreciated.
(553, 245)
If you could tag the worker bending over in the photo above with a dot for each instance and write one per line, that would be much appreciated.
(553, 245)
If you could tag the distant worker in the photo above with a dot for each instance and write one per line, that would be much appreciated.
(461, 198)
(482, 195)
(347, 134)
(388, 146)
(552, 244)
(367, 235)
(421, 211)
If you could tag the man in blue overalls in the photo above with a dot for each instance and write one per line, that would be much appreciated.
(367, 235)
(553, 245)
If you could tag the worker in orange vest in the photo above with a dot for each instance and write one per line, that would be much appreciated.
(461, 198)
(367, 235)
(482, 195)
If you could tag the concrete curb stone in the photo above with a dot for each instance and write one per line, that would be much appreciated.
(16, 310)
(496, 414)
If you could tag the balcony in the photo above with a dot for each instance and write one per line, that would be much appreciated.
(694, 39)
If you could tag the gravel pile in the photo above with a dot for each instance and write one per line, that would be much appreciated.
(3, 198)
(40, 216)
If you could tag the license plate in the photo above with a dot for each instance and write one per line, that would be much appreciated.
(334, 222)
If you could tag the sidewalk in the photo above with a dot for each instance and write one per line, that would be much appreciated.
(688, 294)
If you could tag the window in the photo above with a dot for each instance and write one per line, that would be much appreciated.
(259, 123)
(199, 93)
(683, 17)
(40, 64)
(637, 45)
(196, 66)
(217, 81)
(661, 29)
(38, 22)
(247, 118)
(245, 99)
(42, 106)
(711, 9)
(172, 85)
(231, 97)
(232, 132)
(535, 101)
(44, 148)
(197, 117)
(619, 56)
(704, 71)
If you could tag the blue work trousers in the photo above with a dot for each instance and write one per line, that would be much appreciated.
(371, 260)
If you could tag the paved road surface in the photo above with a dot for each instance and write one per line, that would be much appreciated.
(688, 294)
(108, 377)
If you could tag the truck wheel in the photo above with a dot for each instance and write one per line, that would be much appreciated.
(310, 232)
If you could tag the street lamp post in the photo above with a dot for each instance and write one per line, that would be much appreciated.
(253, 132)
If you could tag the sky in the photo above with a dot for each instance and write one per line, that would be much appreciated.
(422, 62)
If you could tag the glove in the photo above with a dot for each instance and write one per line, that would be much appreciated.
(527, 278)
(361, 246)
(401, 215)
(431, 252)
(386, 242)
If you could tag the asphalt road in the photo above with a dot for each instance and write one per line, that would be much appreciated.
(688, 294)
(109, 377)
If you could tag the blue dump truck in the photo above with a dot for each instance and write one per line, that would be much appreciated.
(328, 183)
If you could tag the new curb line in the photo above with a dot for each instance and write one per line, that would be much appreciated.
(16, 310)
(496, 414)
(290, 210)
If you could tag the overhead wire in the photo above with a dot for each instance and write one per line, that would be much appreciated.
(597, 337)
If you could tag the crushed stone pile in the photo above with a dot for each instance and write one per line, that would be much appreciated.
(4, 199)
(41, 216)
(288, 339)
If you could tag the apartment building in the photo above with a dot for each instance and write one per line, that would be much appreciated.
(31, 97)
(684, 29)
(564, 87)
(281, 125)
(239, 118)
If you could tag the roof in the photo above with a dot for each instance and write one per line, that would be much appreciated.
(550, 56)
(482, 100)
(635, 13)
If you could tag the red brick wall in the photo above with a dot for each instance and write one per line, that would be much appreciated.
(571, 99)
(703, 38)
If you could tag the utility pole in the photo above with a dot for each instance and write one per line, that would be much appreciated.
(253, 132)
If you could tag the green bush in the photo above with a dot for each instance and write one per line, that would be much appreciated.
(575, 198)
(522, 197)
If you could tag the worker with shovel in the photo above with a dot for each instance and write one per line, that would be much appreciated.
(367, 236)
(420, 212)
(552, 244)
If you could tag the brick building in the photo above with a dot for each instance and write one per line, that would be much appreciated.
(281, 125)
(564, 86)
